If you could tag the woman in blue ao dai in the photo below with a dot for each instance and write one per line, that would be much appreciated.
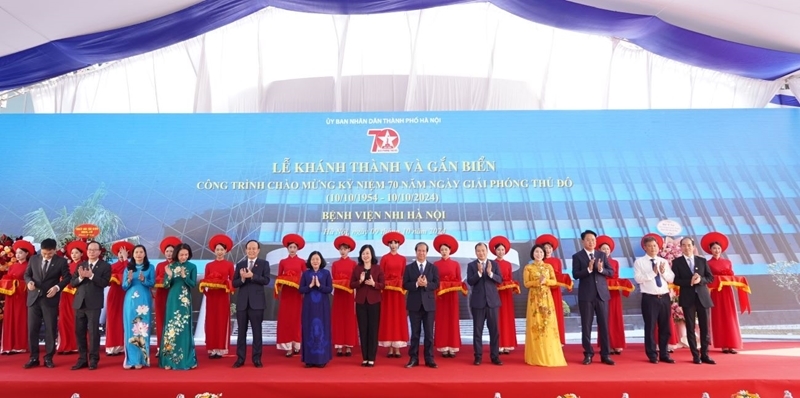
(137, 280)
(316, 286)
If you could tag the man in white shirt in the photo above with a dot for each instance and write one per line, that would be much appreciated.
(653, 274)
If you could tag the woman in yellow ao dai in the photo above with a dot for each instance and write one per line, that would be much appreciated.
(542, 342)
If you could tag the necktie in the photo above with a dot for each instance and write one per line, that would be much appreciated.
(44, 266)
(691, 263)
(591, 256)
(658, 276)
(421, 269)
(250, 265)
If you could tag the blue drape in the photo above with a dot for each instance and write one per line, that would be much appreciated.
(62, 56)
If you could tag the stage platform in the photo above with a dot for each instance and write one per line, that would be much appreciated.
(767, 368)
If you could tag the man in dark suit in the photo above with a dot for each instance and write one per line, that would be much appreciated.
(590, 267)
(421, 280)
(90, 280)
(46, 276)
(693, 274)
(251, 276)
(484, 276)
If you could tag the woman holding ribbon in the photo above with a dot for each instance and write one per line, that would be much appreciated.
(290, 306)
(447, 334)
(506, 323)
(725, 333)
(67, 343)
(343, 326)
(115, 334)
(15, 315)
(393, 330)
(217, 286)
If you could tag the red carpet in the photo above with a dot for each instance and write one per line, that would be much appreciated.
(768, 373)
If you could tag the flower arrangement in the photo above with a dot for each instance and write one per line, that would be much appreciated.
(745, 394)
(677, 311)
(671, 249)
(7, 255)
(208, 395)
(568, 396)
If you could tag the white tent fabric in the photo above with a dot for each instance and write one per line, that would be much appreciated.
(460, 57)
(794, 85)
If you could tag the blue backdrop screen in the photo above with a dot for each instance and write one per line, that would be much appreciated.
(473, 175)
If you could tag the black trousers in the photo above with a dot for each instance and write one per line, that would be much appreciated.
(88, 321)
(37, 313)
(479, 317)
(589, 309)
(254, 318)
(369, 318)
(421, 319)
(689, 313)
(656, 310)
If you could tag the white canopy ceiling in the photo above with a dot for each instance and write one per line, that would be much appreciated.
(773, 24)
(27, 24)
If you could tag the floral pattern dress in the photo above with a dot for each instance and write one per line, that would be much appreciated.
(542, 342)
(137, 315)
(177, 345)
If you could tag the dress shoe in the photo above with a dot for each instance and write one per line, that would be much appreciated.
(607, 361)
(476, 362)
(370, 364)
(732, 351)
(31, 364)
(48, 363)
(289, 354)
(258, 364)
(653, 360)
(364, 363)
(308, 365)
(667, 360)
(412, 363)
(697, 361)
(587, 360)
(431, 365)
(497, 362)
(238, 364)
(348, 353)
(339, 353)
(80, 365)
(708, 361)
(92, 366)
